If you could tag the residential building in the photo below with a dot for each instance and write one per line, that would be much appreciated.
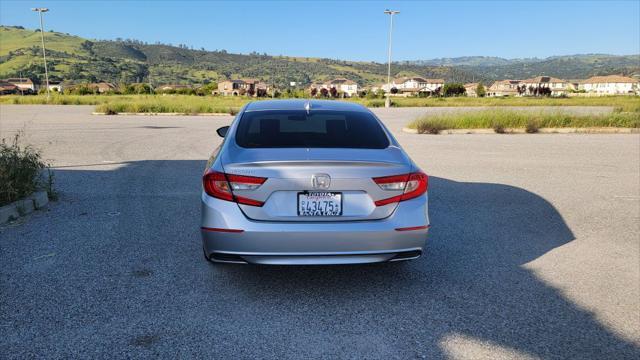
(555, 85)
(504, 88)
(102, 87)
(7, 88)
(470, 89)
(346, 87)
(237, 87)
(407, 86)
(55, 86)
(377, 87)
(23, 84)
(170, 87)
(610, 85)
(229, 87)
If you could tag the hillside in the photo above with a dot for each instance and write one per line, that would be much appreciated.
(72, 58)
(468, 61)
(567, 67)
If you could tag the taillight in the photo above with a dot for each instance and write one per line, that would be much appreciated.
(412, 185)
(221, 186)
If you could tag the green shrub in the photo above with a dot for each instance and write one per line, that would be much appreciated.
(20, 168)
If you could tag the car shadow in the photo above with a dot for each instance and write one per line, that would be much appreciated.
(141, 220)
(471, 282)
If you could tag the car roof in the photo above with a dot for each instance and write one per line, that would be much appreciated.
(300, 104)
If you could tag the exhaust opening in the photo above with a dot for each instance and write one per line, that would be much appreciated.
(407, 255)
(226, 258)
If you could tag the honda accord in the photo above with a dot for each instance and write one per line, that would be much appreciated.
(299, 182)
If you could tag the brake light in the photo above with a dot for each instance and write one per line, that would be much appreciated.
(412, 185)
(221, 186)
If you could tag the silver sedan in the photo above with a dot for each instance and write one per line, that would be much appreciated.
(299, 182)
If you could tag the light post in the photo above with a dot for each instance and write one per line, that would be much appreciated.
(387, 102)
(44, 54)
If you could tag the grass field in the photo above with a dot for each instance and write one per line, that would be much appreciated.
(500, 119)
(620, 103)
(185, 104)
(205, 104)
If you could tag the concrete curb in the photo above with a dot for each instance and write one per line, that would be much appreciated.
(13, 211)
(162, 114)
(605, 130)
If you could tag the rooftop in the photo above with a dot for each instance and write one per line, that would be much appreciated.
(543, 79)
(610, 79)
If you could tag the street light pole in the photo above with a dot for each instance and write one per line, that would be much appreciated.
(44, 54)
(387, 102)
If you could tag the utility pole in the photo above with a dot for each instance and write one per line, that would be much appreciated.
(21, 89)
(387, 102)
(44, 54)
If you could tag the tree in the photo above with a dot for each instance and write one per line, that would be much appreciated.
(394, 90)
(207, 89)
(480, 90)
(314, 91)
(324, 92)
(334, 92)
(453, 89)
(544, 91)
(251, 91)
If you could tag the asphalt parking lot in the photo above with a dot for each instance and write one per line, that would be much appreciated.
(534, 253)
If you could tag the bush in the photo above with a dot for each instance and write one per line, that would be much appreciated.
(431, 127)
(207, 89)
(453, 89)
(498, 128)
(532, 127)
(20, 169)
(136, 89)
(480, 90)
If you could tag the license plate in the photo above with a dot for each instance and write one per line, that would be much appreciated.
(319, 204)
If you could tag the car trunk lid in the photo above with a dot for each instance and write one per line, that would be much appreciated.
(351, 178)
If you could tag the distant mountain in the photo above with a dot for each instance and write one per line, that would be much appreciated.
(75, 59)
(469, 61)
(567, 66)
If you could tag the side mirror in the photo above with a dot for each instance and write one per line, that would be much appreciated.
(222, 131)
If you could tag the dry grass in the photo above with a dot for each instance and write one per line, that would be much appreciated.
(500, 120)
(190, 104)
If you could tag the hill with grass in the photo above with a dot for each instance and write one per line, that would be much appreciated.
(75, 59)
(71, 58)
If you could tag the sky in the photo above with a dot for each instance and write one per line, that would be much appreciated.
(352, 30)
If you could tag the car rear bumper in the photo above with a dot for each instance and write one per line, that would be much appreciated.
(228, 236)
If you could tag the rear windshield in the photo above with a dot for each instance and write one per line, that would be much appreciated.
(320, 129)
